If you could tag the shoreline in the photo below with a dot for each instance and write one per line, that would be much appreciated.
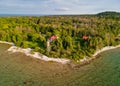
(37, 55)
(105, 49)
(10, 43)
(87, 60)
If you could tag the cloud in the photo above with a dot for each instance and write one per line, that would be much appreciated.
(62, 9)
(57, 6)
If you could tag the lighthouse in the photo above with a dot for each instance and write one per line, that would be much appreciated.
(49, 41)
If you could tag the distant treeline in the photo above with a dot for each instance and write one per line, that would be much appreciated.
(79, 36)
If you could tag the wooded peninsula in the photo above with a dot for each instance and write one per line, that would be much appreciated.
(78, 35)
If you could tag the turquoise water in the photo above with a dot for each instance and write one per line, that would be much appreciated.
(16, 69)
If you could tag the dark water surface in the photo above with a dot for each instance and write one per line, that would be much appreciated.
(20, 70)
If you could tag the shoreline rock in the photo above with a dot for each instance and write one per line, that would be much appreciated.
(105, 49)
(37, 55)
(27, 52)
(10, 43)
(87, 60)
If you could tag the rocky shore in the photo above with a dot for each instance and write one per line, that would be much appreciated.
(37, 55)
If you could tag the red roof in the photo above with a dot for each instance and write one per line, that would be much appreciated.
(52, 38)
(85, 37)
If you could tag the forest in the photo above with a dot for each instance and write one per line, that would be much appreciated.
(79, 36)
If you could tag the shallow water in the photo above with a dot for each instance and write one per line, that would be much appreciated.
(16, 69)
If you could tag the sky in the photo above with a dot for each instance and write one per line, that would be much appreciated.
(58, 6)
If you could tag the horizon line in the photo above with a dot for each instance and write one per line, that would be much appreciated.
(18, 14)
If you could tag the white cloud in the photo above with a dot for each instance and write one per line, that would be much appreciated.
(62, 9)
(58, 6)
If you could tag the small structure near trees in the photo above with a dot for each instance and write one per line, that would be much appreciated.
(49, 41)
(85, 37)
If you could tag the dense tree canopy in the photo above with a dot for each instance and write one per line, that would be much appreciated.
(101, 30)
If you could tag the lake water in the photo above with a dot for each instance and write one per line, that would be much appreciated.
(36, 15)
(16, 69)
(5, 15)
